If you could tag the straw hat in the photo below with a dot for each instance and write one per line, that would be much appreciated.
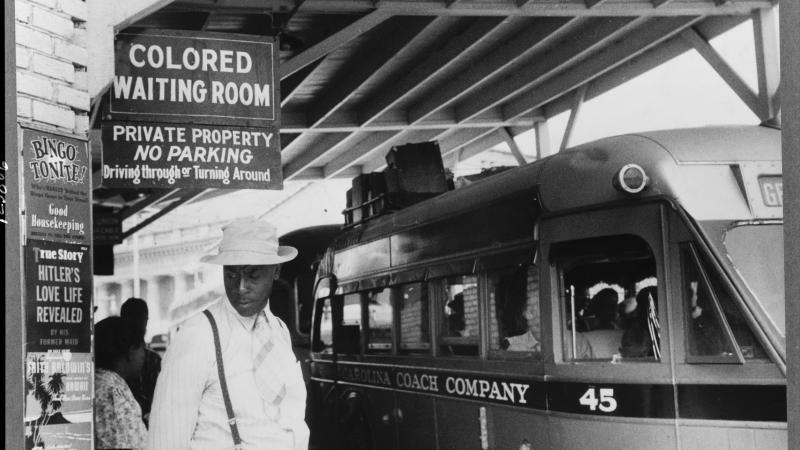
(250, 242)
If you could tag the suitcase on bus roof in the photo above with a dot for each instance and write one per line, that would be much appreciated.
(415, 168)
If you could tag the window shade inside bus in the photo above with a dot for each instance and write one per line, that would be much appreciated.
(372, 283)
(365, 284)
(507, 259)
(347, 288)
(462, 267)
(408, 276)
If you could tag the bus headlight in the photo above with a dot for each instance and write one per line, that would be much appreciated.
(631, 178)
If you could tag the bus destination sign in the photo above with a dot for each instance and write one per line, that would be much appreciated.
(771, 187)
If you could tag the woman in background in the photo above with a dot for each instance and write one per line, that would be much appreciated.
(119, 354)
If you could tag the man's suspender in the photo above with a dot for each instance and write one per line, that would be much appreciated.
(237, 440)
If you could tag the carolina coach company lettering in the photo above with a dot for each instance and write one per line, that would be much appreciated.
(450, 384)
(366, 375)
(494, 390)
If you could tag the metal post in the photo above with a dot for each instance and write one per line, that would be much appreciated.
(14, 375)
(790, 114)
(136, 278)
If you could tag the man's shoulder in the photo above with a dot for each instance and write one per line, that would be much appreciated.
(196, 327)
(284, 328)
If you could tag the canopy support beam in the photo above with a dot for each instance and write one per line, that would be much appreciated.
(580, 95)
(512, 144)
(542, 130)
(333, 42)
(767, 60)
(724, 70)
(190, 195)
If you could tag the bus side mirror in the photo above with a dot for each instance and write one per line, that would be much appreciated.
(348, 340)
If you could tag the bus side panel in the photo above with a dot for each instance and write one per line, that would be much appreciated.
(321, 414)
(415, 422)
(601, 434)
(512, 428)
(704, 437)
(458, 425)
(377, 409)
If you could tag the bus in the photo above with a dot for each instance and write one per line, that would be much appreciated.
(625, 293)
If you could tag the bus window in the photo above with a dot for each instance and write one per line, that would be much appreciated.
(514, 310)
(459, 328)
(716, 324)
(348, 336)
(757, 253)
(379, 311)
(609, 299)
(324, 336)
(412, 306)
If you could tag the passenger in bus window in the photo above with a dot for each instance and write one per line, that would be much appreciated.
(527, 341)
(516, 297)
(460, 321)
(705, 334)
(605, 338)
(641, 338)
(710, 306)
(454, 310)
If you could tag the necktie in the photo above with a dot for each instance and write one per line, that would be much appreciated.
(269, 378)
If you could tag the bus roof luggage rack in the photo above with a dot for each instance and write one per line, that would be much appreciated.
(415, 173)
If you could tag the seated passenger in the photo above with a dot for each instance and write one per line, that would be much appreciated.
(525, 342)
(605, 339)
(518, 314)
(454, 311)
(524, 335)
(638, 340)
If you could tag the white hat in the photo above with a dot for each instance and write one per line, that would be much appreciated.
(249, 242)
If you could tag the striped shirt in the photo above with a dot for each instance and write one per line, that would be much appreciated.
(188, 409)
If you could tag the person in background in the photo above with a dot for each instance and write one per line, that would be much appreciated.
(229, 376)
(134, 311)
(119, 354)
(604, 339)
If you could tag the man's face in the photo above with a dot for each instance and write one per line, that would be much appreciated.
(248, 287)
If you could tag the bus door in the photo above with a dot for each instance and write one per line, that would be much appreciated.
(609, 379)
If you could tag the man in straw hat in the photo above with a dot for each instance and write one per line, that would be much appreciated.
(229, 378)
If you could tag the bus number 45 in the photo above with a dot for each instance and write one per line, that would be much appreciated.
(605, 401)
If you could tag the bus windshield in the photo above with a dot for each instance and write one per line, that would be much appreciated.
(756, 251)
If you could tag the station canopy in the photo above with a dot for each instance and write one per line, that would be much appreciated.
(358, 77)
